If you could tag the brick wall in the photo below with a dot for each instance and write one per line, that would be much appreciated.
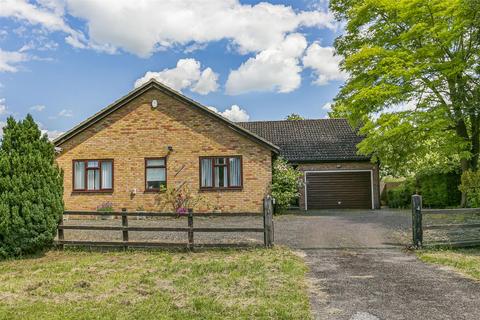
(137, 131)
(343, 166)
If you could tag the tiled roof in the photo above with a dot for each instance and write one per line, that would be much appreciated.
(310, 140)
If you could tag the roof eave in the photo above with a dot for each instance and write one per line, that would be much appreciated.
(296, 161)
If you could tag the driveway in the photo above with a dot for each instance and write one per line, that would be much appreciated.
(361, 270)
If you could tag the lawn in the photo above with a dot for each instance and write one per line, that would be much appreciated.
(223, 284)
(466, 261)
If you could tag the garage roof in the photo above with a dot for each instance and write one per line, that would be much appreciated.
(316, 140)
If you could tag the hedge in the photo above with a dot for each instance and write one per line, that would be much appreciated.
(437, 190)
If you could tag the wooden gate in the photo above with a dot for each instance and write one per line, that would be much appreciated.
(453, 227)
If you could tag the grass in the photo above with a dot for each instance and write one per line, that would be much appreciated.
(466, 261)
(223, 284)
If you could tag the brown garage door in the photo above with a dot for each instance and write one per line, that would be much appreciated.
(339, 190)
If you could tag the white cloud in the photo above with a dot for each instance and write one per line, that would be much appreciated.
(9, 59)
(38, 107)
(186, 75)
(46, 14)
(274, 69)
(49, 14)
(324, 64)
(2, 124)
(52, 134)
(67, 113)
(207, 82)
(327, 107)
(3, 107)
(142, 27)
(235, 113)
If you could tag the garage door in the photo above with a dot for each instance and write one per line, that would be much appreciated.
(339, 190)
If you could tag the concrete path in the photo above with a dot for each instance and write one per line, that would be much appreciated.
(360, 269)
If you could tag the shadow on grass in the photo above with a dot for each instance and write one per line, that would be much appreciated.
(180, 248)
(37, 255)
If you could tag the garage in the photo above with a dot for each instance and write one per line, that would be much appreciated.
(339, 177)
(338, 190)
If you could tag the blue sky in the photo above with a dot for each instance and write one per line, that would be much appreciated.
(62, 61)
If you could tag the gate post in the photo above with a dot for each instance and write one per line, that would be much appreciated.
(61, 236)
(417, 229)
(190, 244)
(125, 227)
(268, 221)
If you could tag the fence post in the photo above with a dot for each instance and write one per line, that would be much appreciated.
(417, 221)
(268, 221)
(61, 236)
(125, 226)
(190, 229)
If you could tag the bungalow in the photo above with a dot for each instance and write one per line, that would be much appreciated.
(155, 136)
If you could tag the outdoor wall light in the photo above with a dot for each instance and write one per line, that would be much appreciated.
(169, 148)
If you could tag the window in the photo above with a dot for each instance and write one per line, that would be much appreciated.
(221, 172)
(93, 175)
(155, 174)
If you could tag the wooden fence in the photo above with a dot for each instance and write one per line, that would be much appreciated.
(419, 225)
(189, 229)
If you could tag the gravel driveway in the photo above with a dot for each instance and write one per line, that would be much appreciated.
(360, 270)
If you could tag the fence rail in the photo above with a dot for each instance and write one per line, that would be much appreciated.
(419, 225)
(190, 230)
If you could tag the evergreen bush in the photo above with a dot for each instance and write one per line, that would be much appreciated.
(401, 196)
(440, 190)
(471, 186)
(31, 189)
(285, 184)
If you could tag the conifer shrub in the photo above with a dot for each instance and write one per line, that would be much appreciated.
(31, 189)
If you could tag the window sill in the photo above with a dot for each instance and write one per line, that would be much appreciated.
(220, 189)
(74, 192)
(153, 191)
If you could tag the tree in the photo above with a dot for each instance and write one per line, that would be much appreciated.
(294, 116)
(414, 78)
(471, 187)
(31, 189)
(285, 184)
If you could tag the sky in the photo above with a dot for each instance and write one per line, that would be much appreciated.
(64, 60)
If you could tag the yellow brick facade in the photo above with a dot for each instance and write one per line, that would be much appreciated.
(137, 131)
